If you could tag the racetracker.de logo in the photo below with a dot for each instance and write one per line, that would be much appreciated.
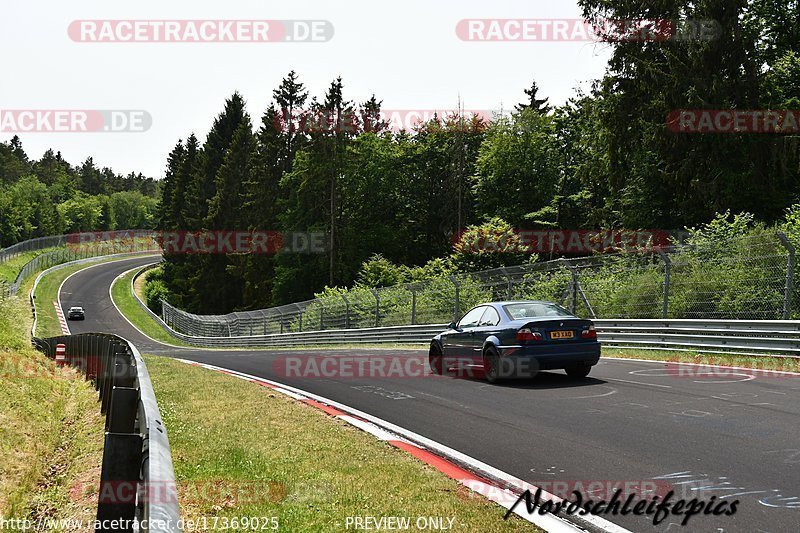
(561, 241)
(207, 242)
(200, 31)
(311, 121)
(74, 121)
(195, 492)
(580, 30)
(734, 121)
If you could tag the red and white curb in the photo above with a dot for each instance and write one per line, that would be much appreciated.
(61, 320)
(445, 459)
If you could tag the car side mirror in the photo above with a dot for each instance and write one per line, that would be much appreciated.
(451, 325)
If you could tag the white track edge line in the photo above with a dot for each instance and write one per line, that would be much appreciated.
(701, 364)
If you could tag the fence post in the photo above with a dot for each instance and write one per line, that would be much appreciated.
(377, 307)
(299, 317)
(165, 316)
(456, 299)
(346, 312)
(667, 275)
(510, 291)
(789, 288)
(413, 290)
(573, 305)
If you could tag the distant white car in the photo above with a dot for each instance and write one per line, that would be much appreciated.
(76, 313)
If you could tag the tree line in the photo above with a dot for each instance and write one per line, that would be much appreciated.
(604, 159)
(49, 196)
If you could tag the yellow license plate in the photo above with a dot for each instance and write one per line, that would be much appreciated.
(561, 334)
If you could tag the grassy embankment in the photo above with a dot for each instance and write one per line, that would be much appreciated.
(51, 432)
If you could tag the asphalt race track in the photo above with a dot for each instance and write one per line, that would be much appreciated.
(732, 436)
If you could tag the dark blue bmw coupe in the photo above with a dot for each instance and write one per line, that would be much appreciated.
(516, 339)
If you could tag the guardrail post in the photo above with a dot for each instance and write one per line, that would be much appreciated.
(377, 307)
(346, 311)
(456, 314)
(667, 274)
(789, 288)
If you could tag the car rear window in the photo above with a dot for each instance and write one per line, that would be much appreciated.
(534, 310)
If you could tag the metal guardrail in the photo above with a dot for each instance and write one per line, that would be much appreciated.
(775, 338)
(137, 481)
(745, 337)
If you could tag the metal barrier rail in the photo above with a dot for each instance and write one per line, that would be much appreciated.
(745, 337)
(777, 338)
(137, 481)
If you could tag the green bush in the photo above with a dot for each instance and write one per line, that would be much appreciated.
(155, 290)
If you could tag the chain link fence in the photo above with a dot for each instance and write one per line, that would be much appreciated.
(138, 241)
(58, 241)
(749, 278)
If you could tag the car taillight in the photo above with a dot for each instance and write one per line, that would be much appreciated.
(525, 334)
(589, 333)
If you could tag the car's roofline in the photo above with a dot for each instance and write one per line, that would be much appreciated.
(509, 302)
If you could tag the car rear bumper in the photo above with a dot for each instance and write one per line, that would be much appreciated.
(524, 360)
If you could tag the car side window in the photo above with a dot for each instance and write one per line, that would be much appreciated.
(471, 319)
(490, 317)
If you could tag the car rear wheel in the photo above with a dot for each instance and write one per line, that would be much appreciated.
(491, 365)
(578, 371)
(435, 359)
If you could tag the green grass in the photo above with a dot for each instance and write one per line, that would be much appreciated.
(754, 361)
(319, 470)
(51, 432)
